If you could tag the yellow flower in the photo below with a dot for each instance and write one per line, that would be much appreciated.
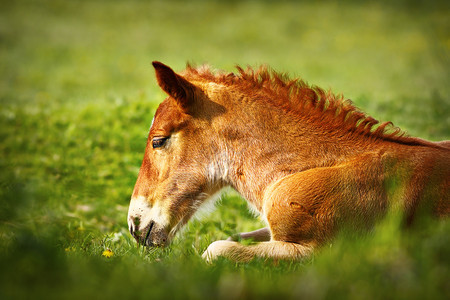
(107, 253)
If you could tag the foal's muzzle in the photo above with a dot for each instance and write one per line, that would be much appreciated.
(148, 225)
(143, 236)
(152, 235)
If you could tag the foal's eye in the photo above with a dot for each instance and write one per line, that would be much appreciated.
(158, 142)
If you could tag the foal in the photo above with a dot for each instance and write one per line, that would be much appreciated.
(308, 161)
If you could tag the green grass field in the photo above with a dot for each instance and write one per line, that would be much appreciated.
(77, 95)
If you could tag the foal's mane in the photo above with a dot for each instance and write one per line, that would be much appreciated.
(311, 102)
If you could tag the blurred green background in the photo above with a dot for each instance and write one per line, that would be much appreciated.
(77, 95)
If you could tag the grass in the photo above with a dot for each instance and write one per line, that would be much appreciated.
(77, 96)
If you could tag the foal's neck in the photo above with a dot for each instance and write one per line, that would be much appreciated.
(276, 144)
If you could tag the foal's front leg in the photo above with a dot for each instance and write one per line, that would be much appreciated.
(272, 250)
(221, 248)
(291, 206)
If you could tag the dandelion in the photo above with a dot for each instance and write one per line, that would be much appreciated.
(107, 253)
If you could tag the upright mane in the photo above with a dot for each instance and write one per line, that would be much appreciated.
(296, 96)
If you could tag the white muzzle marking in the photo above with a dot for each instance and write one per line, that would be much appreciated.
(141, 214)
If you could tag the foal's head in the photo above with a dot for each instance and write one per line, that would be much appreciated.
(175, 177)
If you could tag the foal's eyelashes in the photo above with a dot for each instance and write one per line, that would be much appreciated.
(159, 141)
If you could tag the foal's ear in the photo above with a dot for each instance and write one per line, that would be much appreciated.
(174, 85)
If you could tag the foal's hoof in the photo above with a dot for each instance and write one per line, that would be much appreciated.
(216, 250)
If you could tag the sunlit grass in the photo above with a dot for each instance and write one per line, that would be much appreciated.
(77, 96)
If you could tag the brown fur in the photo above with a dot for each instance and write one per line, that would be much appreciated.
(307, 160)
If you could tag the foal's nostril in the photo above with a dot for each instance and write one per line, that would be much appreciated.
(141, 235)
(146, 241)
(131, 229)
